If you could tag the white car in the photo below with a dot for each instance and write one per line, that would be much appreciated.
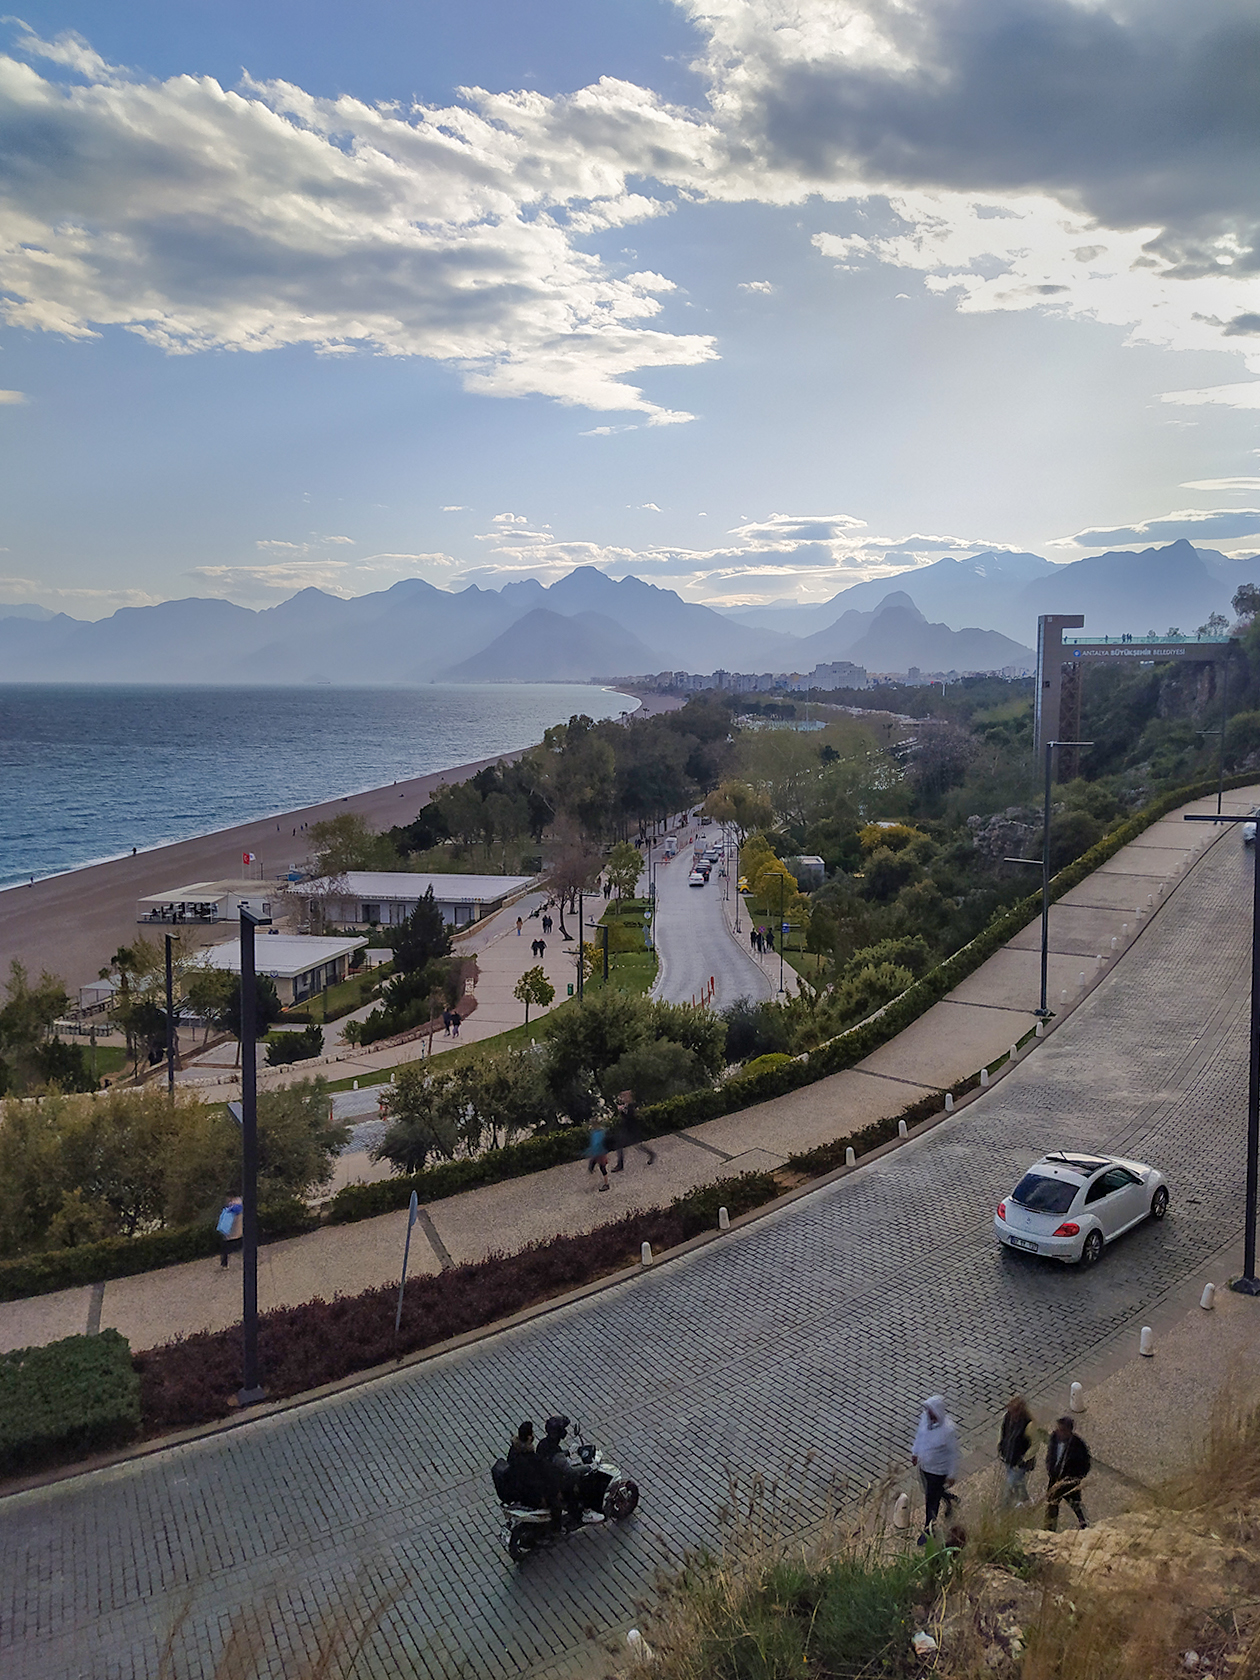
(696, 879)
(1068, 1206)
(1249, 832)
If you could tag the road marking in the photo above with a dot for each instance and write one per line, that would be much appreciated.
(435, 1242)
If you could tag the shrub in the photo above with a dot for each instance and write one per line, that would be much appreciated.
(66, 1400)
(283, 1048)
(761, 1064)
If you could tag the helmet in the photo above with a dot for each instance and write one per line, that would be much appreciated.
(557, 1426)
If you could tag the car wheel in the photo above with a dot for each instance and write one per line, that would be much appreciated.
(1159, 1203)
(1091, 1249)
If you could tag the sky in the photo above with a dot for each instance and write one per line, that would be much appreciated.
(754, 299)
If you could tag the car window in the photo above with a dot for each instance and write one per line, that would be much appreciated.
(1098, 1189)
(1044, 1195)
(1117, 1179)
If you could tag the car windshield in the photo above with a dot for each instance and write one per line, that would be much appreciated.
(1044, 1195)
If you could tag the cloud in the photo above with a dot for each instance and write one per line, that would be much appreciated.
(274, 580)
(756, 286)
(1195, 524)
(1221, 484)
(11, 398)
(200, 218)
(649, 507)
(453, 507)
(1232, 396)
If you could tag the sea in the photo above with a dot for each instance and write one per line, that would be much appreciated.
(89, 771)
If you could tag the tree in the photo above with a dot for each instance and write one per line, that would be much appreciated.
(742, 807)
(267, 1006)
(295, 1047)
(26, 1022)
(421, 937)
(534, 987)
(623, 868)
(1216, 625)
(423, 1111)
(346, 842)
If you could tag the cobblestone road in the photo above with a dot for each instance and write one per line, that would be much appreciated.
(815, 1332)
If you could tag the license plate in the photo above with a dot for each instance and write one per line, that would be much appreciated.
(1022, 1242)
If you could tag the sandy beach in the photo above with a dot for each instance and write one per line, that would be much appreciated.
(71, 924)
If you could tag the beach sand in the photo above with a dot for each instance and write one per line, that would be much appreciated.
(70, 925)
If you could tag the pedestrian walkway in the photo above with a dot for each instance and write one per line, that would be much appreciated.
(971, 1028)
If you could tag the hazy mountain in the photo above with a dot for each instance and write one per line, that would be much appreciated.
(27, 609)
(1157, 589)
(546, 646)
(899, 636)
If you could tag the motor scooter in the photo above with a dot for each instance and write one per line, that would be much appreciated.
(607, 1495)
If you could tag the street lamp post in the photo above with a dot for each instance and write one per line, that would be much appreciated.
(1043, 1011)
(581, 974)
(1248, 1283)
(170, 1021)
(251, 1388)
(780, 936)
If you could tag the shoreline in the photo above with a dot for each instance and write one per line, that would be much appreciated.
(70, 924)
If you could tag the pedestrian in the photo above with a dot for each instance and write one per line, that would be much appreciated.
(446, 1023)
(542, 948)
(628, 1132)
(752, 938)
(456, 1023)
(770, 939)
(229, 1227)
(533, 949)
(519, 925)
(1015, 1449)
(597, 1154)
(1067, 1465)
(935, 1453)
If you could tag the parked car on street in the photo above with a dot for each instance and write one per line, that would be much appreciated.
(1068, 1206)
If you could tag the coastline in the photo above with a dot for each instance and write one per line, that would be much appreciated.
(70, 924)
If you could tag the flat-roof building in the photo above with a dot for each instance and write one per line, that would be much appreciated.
(300, 964)
(206, 903)
(370, 898)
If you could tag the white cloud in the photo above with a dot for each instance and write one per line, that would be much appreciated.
(453, 507)
(1231, 396)
(756, 286)
(1194, 524)
(649, 507)
(201, 218)
(1221, 484)
(11, 398)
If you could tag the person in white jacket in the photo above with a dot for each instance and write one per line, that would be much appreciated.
(935, 1454)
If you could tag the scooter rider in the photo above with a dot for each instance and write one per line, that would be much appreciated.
(566, 1478)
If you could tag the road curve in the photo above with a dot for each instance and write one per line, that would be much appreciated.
(693, 942)
(816, 1330)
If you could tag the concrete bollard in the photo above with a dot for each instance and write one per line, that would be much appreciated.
(1076, 1400)
(1146, 1342)
(1139, 915)
(1080, 980)
(1150, 898)
(645, 1254)
(1100, 960)
(850, 1158)
(901, 1128)
(355, 1086)
(984, 1076)
(1208, 1298)
(949, 1102)
(1124, 930)
(1014, 1056)
(1115, 943)
(1039, 1031)
(901, 1511)
(1161, 889)
(724, 1220)
(639, 1646)
(1063, 996)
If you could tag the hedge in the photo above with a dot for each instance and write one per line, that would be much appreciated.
(115, 1257)
(66, 1400)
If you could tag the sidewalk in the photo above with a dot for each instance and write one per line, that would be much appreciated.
(975, 1025)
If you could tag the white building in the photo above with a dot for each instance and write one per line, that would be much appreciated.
(205, 903)
(299, 965)
(369, 898)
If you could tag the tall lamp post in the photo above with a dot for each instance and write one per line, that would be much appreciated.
(1043, 1010)
(251, 1387)
(170, 1020)
(1248, 1283)
(780, 936)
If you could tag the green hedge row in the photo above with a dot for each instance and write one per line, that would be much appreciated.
(68, 1268)
(66, 1400)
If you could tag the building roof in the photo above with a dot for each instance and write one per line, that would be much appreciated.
(203, 891)
(281, 955)
(449, 888)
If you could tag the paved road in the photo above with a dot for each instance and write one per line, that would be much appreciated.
(693, 942)
(817, 1330)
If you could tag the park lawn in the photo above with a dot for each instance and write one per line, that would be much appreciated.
(343, 999)
(110, 1059)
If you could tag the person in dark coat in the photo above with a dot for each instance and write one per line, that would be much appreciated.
(1015, 1449)
(531, 1483)
(1067, 1465)
(628, 1132)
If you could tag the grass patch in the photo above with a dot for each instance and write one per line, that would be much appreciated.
(341, 999)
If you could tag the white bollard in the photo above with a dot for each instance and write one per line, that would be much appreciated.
(949, 1102)
(1100, 959)
(724, 1220)
(355, 1086)
(1080, 980)
(1014, 1052)
(643, 1652)
(1115, 943)
(1063, 995)
(1124, 930)
(1146, 1342)
(984, 1076)
(901, 1128)
(1161, 889)
(645, 1254)
(1076, 1400)
(1150, 898)
(1039, 1031)
(901, 1511)
(1208, 1298)
(850, 1158)
(1139, 915)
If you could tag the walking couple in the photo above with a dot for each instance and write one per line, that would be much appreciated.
(627, 1132)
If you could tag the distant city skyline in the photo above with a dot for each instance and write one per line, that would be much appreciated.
(755, 300)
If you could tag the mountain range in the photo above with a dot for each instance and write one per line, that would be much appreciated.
(975, 613)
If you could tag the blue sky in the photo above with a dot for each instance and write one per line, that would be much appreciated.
(753, 299)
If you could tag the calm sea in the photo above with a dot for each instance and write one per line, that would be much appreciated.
(87, 772)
